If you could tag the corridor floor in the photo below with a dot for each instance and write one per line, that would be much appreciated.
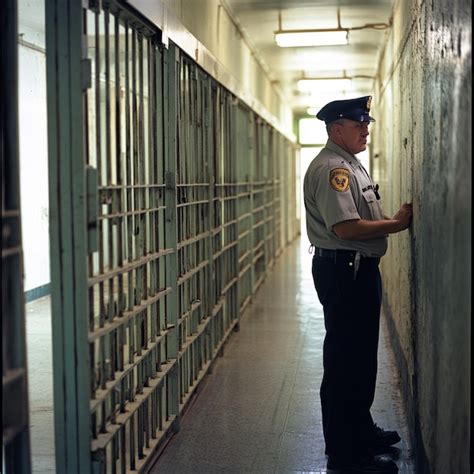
(259, 410)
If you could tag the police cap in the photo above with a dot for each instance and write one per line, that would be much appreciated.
(352, 109)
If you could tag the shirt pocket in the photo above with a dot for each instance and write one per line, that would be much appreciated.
(371, 202)
(369, 197)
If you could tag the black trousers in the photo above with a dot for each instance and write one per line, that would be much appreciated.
(351, 317)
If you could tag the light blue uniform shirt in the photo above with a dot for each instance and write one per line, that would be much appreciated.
(338, 188)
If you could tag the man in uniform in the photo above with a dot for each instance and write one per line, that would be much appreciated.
(348, 230)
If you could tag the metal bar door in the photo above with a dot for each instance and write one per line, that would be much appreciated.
(112, 135)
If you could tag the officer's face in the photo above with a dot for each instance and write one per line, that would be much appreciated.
(353, 135)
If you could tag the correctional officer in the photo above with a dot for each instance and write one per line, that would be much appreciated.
(348, 230)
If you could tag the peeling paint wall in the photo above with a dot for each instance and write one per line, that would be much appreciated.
(422, 154)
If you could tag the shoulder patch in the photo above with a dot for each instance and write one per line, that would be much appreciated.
(339, 179)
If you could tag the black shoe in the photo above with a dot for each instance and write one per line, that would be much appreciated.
(371, 465)
(384, 439)
(381, 441)
(391, 451)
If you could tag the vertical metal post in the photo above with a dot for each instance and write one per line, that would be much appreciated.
(66, 80)
(232, 165)
(210, 178)
(171, 74)
(253, 151)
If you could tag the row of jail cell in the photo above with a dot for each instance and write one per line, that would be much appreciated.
(217, 226)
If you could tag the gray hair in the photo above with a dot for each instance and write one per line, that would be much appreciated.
(329, 126)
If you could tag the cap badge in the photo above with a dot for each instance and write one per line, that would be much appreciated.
(339, 179)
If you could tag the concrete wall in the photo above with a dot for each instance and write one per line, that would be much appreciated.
(422, 153)
(33, 156)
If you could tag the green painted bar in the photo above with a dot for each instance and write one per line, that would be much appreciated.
(171, 75)
(68, 234)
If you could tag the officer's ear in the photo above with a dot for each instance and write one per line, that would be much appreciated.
(335, 128)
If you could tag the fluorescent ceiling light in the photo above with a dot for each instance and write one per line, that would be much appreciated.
(291, 39)
(322, 85)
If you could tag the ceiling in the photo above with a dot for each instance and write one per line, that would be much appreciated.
(258, 19)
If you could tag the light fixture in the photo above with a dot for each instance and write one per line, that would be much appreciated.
(319, 37)
(290, 39)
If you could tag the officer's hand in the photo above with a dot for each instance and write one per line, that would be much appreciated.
(404, 215)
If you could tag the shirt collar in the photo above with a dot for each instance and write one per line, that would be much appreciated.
(353, 160)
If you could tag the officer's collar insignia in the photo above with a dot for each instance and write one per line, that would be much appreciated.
(369, 101)
(339, 179)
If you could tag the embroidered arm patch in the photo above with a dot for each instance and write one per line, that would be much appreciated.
(339, 179)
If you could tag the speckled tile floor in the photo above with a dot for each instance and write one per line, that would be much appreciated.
(259, 410)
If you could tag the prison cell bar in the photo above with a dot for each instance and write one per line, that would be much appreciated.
(189, 221)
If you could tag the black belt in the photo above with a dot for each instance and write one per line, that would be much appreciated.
(335, 253)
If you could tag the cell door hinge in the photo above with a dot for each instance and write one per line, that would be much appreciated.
(86, 72)
(92, 209)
